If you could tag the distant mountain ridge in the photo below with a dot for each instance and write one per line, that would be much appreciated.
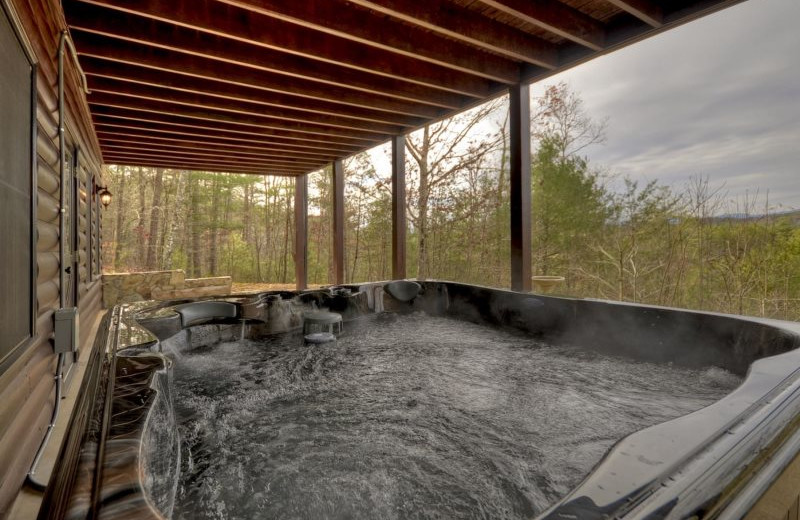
(793, 214)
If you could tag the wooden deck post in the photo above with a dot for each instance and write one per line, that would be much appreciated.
(398, 207)
(520, 157)
(301, 231)
(338, 222)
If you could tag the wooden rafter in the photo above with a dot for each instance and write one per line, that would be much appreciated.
(222, 162)
(160, 35)
(198, 166)
(207, 114)
(236, 25)
(196, 98)
(232, 161)
(210, 153)
(333, 17)
(134, 140)
(645, 10)
(557, 18)
(170, 131)
(261, 71)
(462, 24)
(117, 119)
(135, 74)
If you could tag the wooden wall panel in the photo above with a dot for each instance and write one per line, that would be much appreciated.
(91, 306)
(25, 436)
(48, 151)
(47, 207)
(27, 388)
(47, 179)
(18, 385)
(47, 294)
(47, 236)
(47, 263)
(44, 323)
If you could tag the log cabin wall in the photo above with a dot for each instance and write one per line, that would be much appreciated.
(27, 385)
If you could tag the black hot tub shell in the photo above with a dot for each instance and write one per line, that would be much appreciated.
(713, 463)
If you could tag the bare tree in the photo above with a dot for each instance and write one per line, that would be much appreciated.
(438, 152)
(560, 119)
(178, 218)
(151, 262)
(119, 226)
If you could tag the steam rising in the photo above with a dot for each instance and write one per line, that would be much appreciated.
(410, 417)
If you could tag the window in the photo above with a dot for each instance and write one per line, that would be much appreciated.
(17, 209)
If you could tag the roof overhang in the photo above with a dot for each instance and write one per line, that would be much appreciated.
(284, 87)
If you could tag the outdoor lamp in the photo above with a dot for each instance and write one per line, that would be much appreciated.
(104, 194)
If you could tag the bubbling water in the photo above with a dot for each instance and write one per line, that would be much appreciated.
(409, 417)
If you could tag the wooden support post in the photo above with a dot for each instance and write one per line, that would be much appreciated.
(520, 157)
(301, 231)
(338, 222)
(398, 207)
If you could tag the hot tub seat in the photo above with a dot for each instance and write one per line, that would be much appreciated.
(200, 312)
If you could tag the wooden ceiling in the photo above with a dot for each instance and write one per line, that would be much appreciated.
(286, 86)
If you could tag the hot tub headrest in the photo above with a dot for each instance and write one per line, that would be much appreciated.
(195, 312)
(403, 290)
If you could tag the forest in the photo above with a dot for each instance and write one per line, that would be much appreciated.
(610, 237)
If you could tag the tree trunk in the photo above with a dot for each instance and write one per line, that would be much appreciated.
(167, 216)
(151, 262)
(422, 207)
(196, 270)
(212, 247)
(287, 225)
(119, 228)
(172, 230)
(142, 224)
(246, 213)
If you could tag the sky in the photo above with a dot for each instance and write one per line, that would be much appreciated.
(718, 97)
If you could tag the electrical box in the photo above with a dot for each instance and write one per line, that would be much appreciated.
(66, 330)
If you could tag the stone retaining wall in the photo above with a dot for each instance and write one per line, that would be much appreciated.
(160, 285)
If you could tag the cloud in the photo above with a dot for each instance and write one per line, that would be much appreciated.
(718, 97)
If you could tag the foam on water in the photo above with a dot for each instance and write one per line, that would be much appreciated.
(416, 417)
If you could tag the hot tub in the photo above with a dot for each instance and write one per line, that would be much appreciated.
(438, 400)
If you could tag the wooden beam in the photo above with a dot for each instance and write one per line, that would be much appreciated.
(468, 26)
(135, 140)
(203, 167)
(98, 69)
(301, 231)
(398, 207)
(187, 97)
(235, 25)
(520, 177)
(333, 17)
(159, 36)
(557, 18)
(120, 93)
(123, 122)
(644, 10)
(205, 116)
(161, 55)
(221, 161)
(298, 164)
(338, 222)
(233, 157)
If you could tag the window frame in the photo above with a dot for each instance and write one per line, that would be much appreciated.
(24, 344)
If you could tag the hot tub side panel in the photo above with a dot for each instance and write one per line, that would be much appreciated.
(542, 316)
(685, 338)
(654, 334)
